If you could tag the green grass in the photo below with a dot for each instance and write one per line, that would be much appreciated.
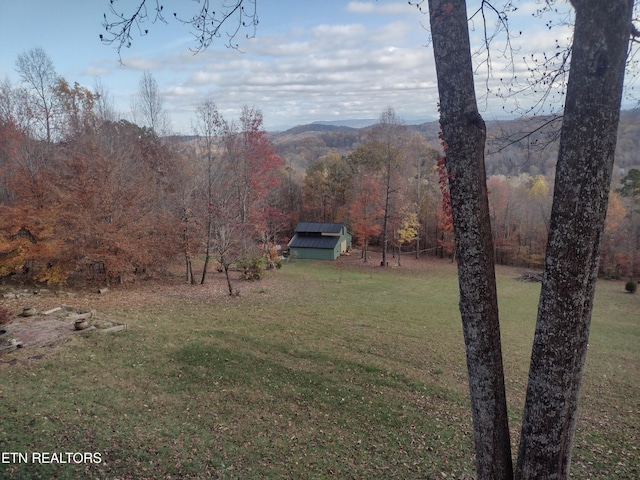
(320, 373)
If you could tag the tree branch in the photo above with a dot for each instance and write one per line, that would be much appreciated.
(208, 24)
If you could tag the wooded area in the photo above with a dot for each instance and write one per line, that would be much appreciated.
(86, 196)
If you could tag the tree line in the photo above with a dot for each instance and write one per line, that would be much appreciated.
(88, 196)
(360, 189)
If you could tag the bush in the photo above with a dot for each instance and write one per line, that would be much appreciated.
(631, 286)
(252, 267)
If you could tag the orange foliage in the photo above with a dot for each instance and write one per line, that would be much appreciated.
(366, 209)
(89, 212)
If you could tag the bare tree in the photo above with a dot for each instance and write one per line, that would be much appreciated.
(104, 107)
(208, 126)
(37, 72)
(148, 106)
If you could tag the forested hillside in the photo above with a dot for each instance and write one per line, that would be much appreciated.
(87, 196)
(513, 147)
(326, 163)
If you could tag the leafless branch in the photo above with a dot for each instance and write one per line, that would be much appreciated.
(208, 23)
(549, 125)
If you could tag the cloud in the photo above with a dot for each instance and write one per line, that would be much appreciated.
(346, 69)
(380, 9)
(95, 71)
(142, 64)
(332, 32)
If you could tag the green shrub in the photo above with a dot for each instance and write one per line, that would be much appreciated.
(252, 267)
(631, 286)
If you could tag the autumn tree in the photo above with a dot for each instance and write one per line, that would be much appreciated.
(242, 169)
(77, 110)
(325, 188)
(366, 209)
(422, 185)
(253, 165)
(11, 141)
(407, 231)
(630, 189)
(519, 210)
(444, 215)
(229, 231)
(105, 109)
(124, 225)
(614, 254)
(316, 193)
(388, 139)
(583, 174)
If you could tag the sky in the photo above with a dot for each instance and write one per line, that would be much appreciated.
(309, 60)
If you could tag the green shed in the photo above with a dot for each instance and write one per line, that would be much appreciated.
(319, 241)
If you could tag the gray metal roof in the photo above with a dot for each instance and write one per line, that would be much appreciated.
(314, 241)
(315, 227)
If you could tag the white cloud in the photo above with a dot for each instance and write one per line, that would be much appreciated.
(381, 9)
(142, 64)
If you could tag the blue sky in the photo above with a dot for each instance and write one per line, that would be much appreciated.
(310, 60)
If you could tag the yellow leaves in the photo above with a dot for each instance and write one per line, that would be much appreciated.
(53, 275)
(408, 230)
(615, 213)
(539, 187)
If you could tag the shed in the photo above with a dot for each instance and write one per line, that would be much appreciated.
(319, 241)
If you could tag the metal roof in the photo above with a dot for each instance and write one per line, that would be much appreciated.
(314, 241)
(314, 227)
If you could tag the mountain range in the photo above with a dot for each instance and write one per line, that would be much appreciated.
(523, 145)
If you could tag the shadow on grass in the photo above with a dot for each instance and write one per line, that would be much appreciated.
(314, 412)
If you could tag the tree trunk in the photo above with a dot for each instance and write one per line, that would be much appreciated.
(189, 266)
(207, 257)
(464, 132)
(225, 265)
(583, 177)
(385, 220)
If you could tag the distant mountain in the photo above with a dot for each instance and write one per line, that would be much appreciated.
(354, 123)
(317, 127)
(367, 122)
(535, 153)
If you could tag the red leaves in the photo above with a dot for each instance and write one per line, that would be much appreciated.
(366, 208)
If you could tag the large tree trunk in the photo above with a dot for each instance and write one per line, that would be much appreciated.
(464, 134)
(583, 176)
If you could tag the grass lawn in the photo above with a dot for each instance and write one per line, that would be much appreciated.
(319, 371)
